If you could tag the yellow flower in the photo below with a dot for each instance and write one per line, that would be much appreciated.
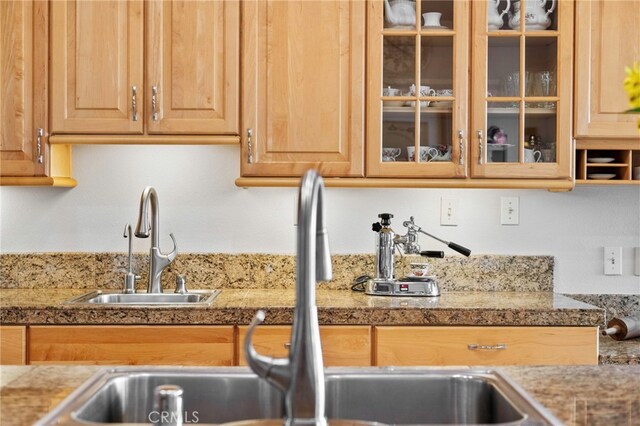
(632, 85)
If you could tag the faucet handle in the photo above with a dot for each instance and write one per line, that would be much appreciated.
(181, 286)
(171, 256)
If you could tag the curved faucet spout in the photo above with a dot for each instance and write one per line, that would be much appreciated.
(301, 375)
(150, 209)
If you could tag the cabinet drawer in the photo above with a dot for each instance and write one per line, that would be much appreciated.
(494, 345)
(169, 345)
(13, 348)
(341, 345)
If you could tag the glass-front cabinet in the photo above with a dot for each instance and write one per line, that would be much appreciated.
(433, 114)
(521, 89)
(417, 88)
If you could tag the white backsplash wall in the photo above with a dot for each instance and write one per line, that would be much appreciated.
(201, 205)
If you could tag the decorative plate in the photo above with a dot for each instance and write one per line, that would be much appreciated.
(601, 176)
(600, 160)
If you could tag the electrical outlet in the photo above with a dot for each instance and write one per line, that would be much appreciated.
(509, 210)
(613, 260)
(449, 211)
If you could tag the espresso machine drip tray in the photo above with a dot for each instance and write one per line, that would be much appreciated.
(409, 286)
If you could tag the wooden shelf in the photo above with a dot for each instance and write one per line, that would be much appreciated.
(625, 154)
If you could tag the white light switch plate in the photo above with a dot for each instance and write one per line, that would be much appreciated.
(509, 210)
(449, 211)
(637, 258)
(613, 260)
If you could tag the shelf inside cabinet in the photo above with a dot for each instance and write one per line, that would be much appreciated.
(543, 112)
(607, 163)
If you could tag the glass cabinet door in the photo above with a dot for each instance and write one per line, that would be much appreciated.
(521, 78)
(417, 88)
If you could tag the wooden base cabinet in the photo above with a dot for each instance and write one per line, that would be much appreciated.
(141, 345)
(486, 346)
(341, 345)
(13, 345)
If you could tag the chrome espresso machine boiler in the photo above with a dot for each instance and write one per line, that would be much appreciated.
(385, 283)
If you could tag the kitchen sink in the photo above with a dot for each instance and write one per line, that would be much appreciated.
(195, 297)
(384, 395)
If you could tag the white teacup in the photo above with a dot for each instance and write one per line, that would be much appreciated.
(432, 19)
(531, 156)
(390, 154)
(427, 153)
(390, 91)
(424, 91)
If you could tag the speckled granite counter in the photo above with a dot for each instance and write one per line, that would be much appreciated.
(620, 352)
(576, 395)
(233, 306)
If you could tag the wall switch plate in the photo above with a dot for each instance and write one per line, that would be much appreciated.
(613, 260)
(509, 210)
(449, 211)
(636, 269)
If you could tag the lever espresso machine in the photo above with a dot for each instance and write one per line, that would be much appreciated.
(387, 242)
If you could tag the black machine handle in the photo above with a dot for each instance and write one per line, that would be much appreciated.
(457, 247)
(431, 253)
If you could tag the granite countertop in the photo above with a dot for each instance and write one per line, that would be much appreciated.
(619, 351)
(576, 395)
(338, 307)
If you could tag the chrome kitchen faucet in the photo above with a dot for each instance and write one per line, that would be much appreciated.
(157, 261)
(301, 375)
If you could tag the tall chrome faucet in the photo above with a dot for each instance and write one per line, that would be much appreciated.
(301, 375)
(157, 261)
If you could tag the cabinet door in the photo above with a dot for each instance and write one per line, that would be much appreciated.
(607, 40)
(521, 94)
(486, 345)
(13, 345)
(411, 132)
(141, 345)
(341, 345)
(303, 87)
(192, 66)
(96, 66)
(23, 87)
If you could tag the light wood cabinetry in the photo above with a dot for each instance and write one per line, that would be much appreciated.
(486, 345)
(303, 87)
(13, 345)
(145, 345)
(341, 345)
(25, 155)
(607, 162)
(522, 86)
(103, 85)
(607, 40)
(96, 67)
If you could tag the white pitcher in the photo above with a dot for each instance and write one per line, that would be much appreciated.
(400, 12)
(494, 18)
(536, 18)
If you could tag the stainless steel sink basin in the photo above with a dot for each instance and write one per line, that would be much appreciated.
(391, 396)
(197, 297)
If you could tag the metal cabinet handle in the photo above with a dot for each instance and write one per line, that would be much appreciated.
(134, 106)
(480, 148)
(39, 135)
(476, 347)
(249, 146)
(154, 103)
(461, 141)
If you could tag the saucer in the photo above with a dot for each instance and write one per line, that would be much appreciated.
(601, 176)
(434, 27)
(600, 160)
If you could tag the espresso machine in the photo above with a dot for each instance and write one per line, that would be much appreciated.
(387, 242)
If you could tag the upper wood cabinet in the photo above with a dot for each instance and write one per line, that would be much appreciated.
(23, 88)
(96, 66)
(186, 84)
(402, 56)
(303, 87)
(607, 40)
(522, 90)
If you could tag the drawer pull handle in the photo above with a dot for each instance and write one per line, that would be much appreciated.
(476, 347)
(287, 345)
